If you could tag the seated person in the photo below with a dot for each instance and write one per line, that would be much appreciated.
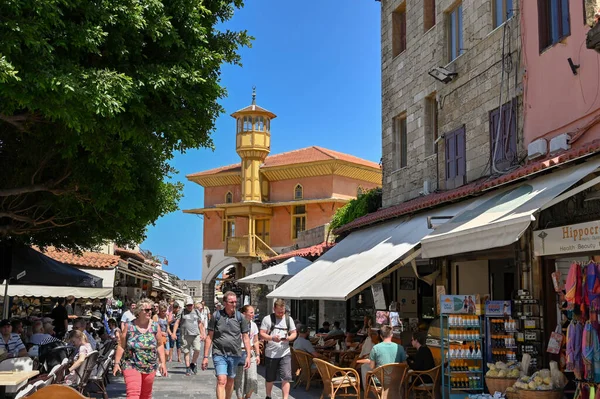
(386, 352)
(352, 333)
(423, 360)
(11, 343)
(37, 338)
(363, 358)
(324, 329)
(302, 343)
(336, 332)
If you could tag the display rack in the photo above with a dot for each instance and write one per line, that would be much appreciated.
(462, 354)
(528, 312)
(500, 332)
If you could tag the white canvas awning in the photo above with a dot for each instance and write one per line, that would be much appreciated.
(274, 274)
(58, 291)
(354, 262)
(500, 217)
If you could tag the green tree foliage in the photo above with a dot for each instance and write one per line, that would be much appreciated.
(95, 98)
(364, 204)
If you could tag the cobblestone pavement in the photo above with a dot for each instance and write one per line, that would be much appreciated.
(202, 385)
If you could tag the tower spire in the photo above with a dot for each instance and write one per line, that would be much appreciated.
(253, 95)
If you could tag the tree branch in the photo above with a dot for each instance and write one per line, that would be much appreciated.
(19, 121)
(36, 188)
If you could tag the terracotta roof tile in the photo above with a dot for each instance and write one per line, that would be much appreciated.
(470, 189)
(86, 259)
(315, 250)
(303, 155)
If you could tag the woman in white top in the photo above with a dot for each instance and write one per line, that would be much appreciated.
(246, 381)
(363, 358)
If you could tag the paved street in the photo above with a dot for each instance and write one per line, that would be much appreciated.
(178, 385)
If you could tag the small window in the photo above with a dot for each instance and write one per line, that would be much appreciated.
(260, 124)
(456, 163)
(399, 30)
(431, 125)
(228, 228)
(247, 123)
(298, 220)
(268, 124)
(228, 198)
(455, 34)
(503, 147)
(400, 147)
(239, 125)
(428, 14)
(553, 22)
(192, 291)
(502, 10)
(298, 192)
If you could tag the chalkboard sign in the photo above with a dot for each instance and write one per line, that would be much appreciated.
(378, 296)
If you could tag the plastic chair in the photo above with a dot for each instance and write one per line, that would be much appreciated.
(25, 391)
(56, 392)
(423, 383)
(16, 364)
(337, 381)
(99, 378)
(307, 372)
(386, 381)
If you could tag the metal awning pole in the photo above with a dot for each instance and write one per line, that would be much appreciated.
(5, 307)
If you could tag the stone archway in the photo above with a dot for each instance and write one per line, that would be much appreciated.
(209, 280)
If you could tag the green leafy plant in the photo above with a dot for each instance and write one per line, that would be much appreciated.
(364, 204)
(95, 98)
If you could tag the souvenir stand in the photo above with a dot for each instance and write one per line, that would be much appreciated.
(500, 330)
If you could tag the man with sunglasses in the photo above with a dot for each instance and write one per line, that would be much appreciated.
(227, 329)
(192, 332)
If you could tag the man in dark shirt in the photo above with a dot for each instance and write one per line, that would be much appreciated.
(61, 318)
(70, 306)
(227, 330)
(324, 329)
(423, 360)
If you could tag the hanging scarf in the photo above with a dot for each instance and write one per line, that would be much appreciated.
(574, 359)
(573, 284)
(587, 351)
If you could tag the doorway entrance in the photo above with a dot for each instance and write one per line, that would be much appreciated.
(261, 229)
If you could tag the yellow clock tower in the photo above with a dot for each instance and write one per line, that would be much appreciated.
(253, 144)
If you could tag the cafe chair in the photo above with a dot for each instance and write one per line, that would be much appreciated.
(16, 364)
(308, 373)
(56, 392)
(85, 371)
(338, 381)
(423, 384)
(386, 382)
(26, 391)
(98, 379)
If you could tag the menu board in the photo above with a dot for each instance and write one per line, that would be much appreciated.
(378, 296)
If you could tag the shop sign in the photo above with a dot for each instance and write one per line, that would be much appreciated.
(459, 303)
(582, 237)
(498, 308)
(378, 296)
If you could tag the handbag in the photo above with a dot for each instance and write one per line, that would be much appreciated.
(555, 342)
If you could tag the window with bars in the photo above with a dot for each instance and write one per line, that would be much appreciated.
(502, 11)
(456, 160)
(228, 197)
(298, 220)
(400, 146)
(553, 22)
(503, 135)
(455, 33)
(399, 30)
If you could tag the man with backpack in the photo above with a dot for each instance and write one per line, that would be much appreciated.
(192, 332)
(227, 329)
(277, 330)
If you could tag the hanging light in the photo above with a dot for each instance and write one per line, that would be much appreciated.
(359, 299)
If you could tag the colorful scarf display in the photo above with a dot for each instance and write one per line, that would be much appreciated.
(574, 359)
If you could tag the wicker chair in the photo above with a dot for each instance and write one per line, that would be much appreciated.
(56, 392)
(307, 372)
(386, 381)
(337, 381)
(423, 384)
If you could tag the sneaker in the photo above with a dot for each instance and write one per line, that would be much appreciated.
(158, 374)
(268, 397)
(194, 368)
(188, 371)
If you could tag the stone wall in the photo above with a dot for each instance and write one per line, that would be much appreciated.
(467, 100)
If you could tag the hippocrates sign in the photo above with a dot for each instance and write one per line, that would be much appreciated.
(582, 237)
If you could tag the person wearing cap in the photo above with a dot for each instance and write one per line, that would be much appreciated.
(9, 342)
(302, 343)
(192, 333)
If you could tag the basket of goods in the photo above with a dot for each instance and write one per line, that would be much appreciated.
(544, 384)
(501, 376)
(511, 393)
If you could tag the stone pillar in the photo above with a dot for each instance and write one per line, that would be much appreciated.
(208, 295)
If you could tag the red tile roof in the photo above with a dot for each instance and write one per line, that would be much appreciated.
(471, 189)
(86, 259)
(303, 155)
(128, 253)
(315, 250)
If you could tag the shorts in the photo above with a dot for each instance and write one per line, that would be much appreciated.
(191, 342)
(281, 366)
(175, 342)
(226, 365)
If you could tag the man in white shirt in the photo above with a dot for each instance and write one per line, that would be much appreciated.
(128, 316)
(277, 330)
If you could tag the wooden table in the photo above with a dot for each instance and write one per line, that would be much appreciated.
(332, 352)
(12, 378)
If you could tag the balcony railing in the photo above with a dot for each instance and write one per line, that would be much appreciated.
(249, 246)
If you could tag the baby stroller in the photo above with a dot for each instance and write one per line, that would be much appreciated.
(52, 354)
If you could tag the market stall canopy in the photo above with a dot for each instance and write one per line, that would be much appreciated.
(44, 291)
(274, 274)
(161, 280)
(363, 258)
(502, 216)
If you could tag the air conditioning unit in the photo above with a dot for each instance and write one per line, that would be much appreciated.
(560, 143)
(537, 149)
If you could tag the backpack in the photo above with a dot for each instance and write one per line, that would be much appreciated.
(273, 322)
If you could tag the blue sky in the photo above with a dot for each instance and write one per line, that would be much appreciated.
(316, 65)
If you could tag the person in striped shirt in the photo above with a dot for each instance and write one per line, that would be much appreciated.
(11, 343)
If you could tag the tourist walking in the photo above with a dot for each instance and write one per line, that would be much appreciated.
(140, 351)
(128, 316)
(246, 381)
(165, 330)
(192, 332)
(277, 330)
(227, 330)
(174, 338)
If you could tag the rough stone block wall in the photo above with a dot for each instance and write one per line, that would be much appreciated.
(208, 294)
(313, 236)
(467, 100)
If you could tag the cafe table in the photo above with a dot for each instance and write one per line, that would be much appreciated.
(12, 378)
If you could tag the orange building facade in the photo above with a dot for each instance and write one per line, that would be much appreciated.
(255, 209)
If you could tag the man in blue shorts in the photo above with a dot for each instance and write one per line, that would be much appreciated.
(226, 331)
